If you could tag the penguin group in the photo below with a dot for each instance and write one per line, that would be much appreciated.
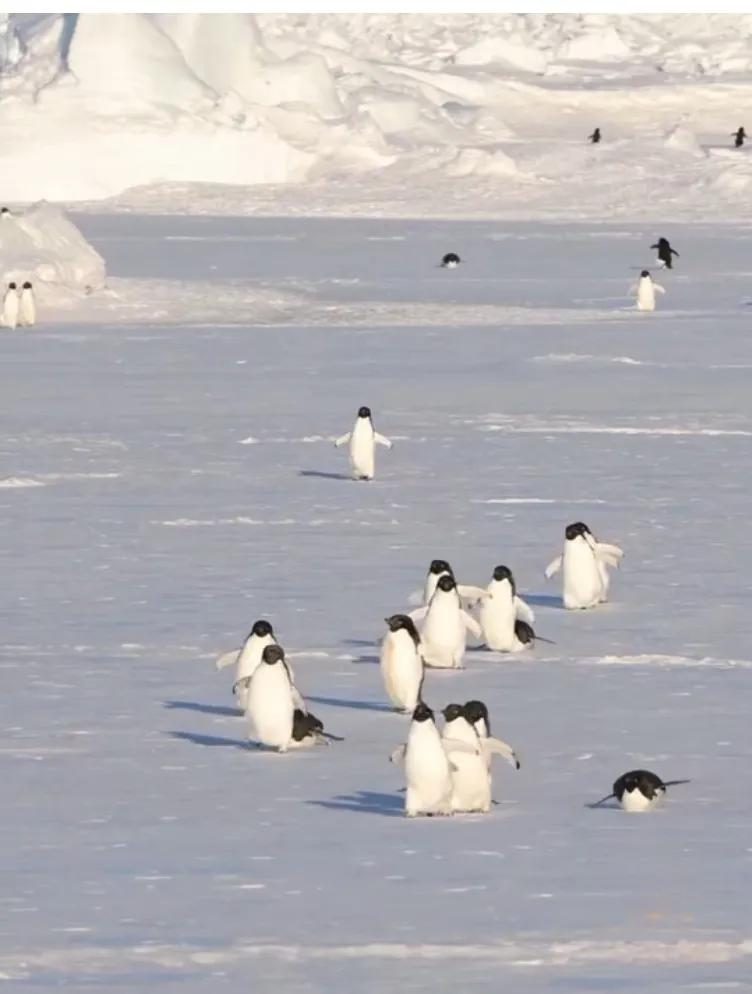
(19, 306)
(739, 135)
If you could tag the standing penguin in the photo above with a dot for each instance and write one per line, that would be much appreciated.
(445, 626)
(665, 253)
(427, 768)
(10, 306)
(270, 700)
(500, 612)
(739, 135)
(638, 790)
(439, 568)
(450, 261)
(27, 306)
(362, 439)
(470, 758)
(247, 658)
(645, 289)
(595, 137)
(402, 662)
(584, 563)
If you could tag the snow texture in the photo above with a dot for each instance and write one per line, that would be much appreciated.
(168, 477)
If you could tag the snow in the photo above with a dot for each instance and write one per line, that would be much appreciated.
(168, 477)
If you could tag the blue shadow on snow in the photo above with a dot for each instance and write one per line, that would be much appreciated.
(367, 802)
(339, 702)
(220, 709)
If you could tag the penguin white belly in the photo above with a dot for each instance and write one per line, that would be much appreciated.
(248, 660)
(497, 621)
(362, 450)
(10, 310)
(444, 638)
(429, 783)
(28, 309)
(583, 583)
(636, 801)
(270, 706)
(471, 782)
(645, 296)
(401, 669)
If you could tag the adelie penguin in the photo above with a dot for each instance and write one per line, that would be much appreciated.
(646, 288)
(440, 567)
(665, 253)
(271, 707)
(595, 137)
(427, 768)
(450, 261)
(363, 440)
(638, 790)
(739, 135)
(401, 662)
(247, 658)
(470, 757)
(11, 306)
(584, 565)
(505, 619)
(445, 626)
(308, 731)
(27, 306)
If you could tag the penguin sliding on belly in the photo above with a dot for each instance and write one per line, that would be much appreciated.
(450, 261)
(308, 730)
(363, 440)
(638, 790)
(584, 565)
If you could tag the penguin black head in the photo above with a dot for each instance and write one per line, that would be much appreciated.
(475, 710)
(452, 711)
(422, 712)
(451, 259)
(503, 573)
(4, 210)
(262, 628)
(400, 622)
(645, 272)
(27, 285)
(446, 583)
(273, 654)
(439, 566)
(364, 412)
(12, 286)
(524, 632)
(578, 528)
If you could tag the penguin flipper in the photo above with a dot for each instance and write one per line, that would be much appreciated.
(227, 659)
(659, 288)
(382, 440)
(553, 567)
(418, 613)
(342, 440)
(458, 745)
(612, 555)
(472, 594)
(471, 625)
(297, 700)
(398, 754)
(524, 611)
(492, 746)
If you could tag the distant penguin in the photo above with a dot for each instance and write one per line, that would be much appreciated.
(270, 700)
(247, 658)
(739, 135)
(402, 663)
(27, 306)
(308, 730)
(439, 568)
(584, 564)
(645, 289)
(450, 261)
(445, 626)
(595, 137)
(363, 439)
(427, 768)
(500, 613)
(5, 213)
(665, 253)
(639, 790)
(10, 306)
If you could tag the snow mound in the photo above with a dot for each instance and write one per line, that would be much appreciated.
(500, 51)
(479, 162)
(596, 45)
(683, 140)
(43, 246)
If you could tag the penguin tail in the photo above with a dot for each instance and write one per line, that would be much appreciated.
(603, 800)
(674, 783)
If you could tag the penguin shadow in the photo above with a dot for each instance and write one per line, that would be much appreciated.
(219, 709)
(322, 475)
(595, 806)
(366, 659)
(365, 802)
(544, 600)
(367, 643)
(341, 702)
(213, 740)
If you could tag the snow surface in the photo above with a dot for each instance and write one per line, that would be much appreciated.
(168, 477)
(386, 113)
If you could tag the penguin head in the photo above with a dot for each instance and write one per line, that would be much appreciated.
(403, 622)
(503, 573)
(273, 654)
(577, 530)
(261, 629)
(439, 566)
(446, 583)
(474, 711)
(4, 210)
(452, 711)
(364, 412)
(27, 285)
(422, 712)
(644, 273)
(451, 259)
(12, 286)
(663, 243)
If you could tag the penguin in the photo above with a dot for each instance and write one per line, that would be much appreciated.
(739, 135)
(362, 439)
(470, 758)
(450, 261)
(402, 663)
(308, 730)
(639, 790)
(645, 289)
(439, 568)
(504, 616)
(5, 213)
(476, 713)
(584, 564)
(271, 707)
(10, 306)
(665, 253)
(427, 767)
(445, 626)
(595, 137)
(247, 658)
(27, 306)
